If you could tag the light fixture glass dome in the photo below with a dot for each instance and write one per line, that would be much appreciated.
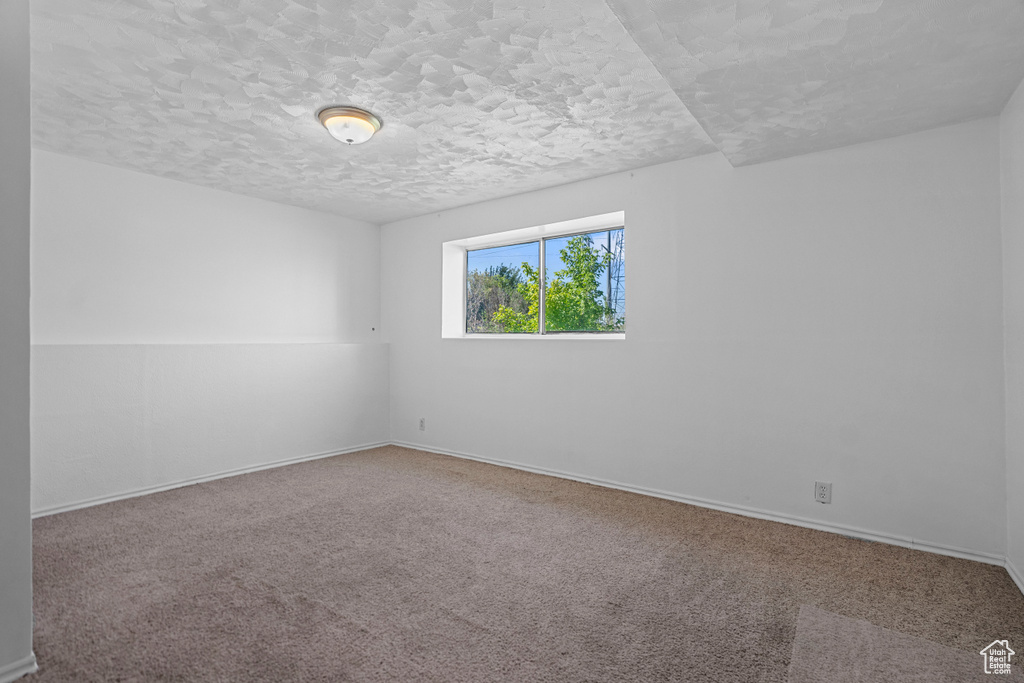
(350, 125)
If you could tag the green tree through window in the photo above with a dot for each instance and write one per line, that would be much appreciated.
(585, 294)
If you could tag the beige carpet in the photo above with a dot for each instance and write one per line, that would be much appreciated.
(830, 648)
(398, 565)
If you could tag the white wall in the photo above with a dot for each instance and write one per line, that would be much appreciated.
(115, 419)
(181, 332)
(15, 526)
(835, 316)
(1012, 145)
(121, 257)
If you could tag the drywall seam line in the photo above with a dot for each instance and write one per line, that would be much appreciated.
(134, 493)
(914, 544)
(22, 667)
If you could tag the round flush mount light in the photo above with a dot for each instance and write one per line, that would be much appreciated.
(350, 125)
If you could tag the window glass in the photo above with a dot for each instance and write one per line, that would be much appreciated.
(582, 277)
(585, 282)
(501, 289)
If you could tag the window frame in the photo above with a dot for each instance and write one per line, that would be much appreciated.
(455, 267)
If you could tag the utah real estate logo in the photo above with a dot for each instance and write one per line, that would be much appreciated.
(997, 657)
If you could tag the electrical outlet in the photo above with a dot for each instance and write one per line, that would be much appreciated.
(423, 424)
(823, 491)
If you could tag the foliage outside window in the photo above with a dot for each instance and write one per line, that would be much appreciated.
(573, 283)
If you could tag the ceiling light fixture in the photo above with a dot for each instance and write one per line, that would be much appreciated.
(350, 125)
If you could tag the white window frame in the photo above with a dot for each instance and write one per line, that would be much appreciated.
(453, 274)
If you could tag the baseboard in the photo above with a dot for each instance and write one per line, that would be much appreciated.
(854, 532)
(16, 670)
(842, 530)
(99, 500)
(1015, 574)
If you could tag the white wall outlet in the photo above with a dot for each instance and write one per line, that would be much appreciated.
(423, 424)
(823, 491)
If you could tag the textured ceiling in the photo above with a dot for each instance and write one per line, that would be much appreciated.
(478, 99)
(484, 98)
(774, 78)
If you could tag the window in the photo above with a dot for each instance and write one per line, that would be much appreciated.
(585, 286)
(501, 289)
(563, 279)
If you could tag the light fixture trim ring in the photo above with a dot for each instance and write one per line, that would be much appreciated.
(348, 111)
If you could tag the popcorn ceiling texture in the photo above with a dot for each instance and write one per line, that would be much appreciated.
(478, 99)
(482, 98)
(769, 79)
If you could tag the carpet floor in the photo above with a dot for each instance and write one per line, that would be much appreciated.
(834, 649)
(398, 565)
